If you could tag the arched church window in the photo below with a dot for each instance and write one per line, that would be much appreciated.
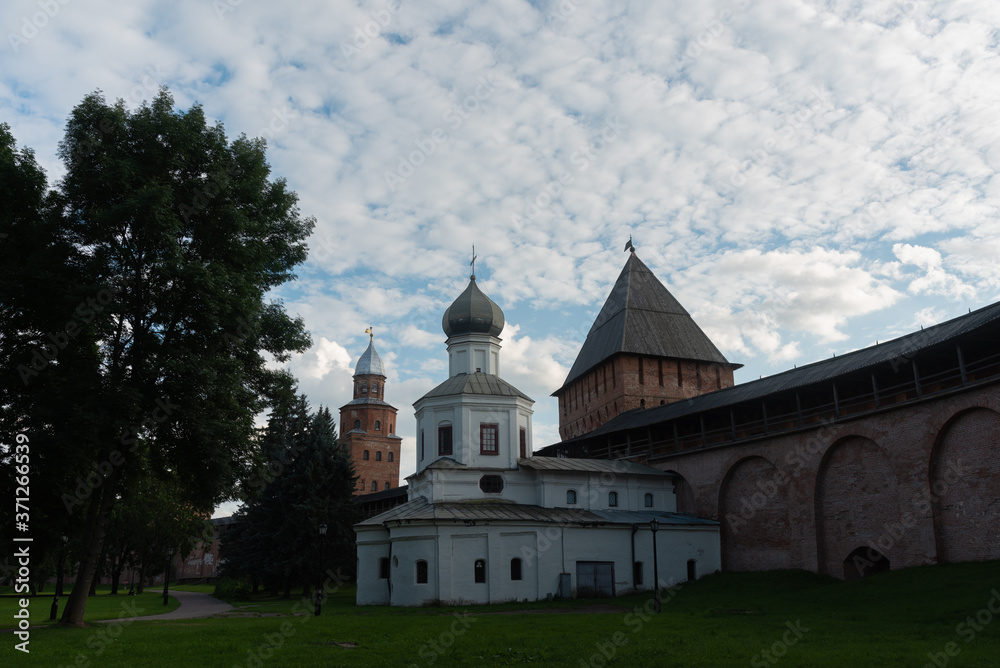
(364, 455)
(378, 425)
(444, 439)
(374, 485)
(357, 424)
(421, 572)
(375, 388)
(515, 569)
(378, 456)
(648, 500)
(570, 497)
(480, 570)
(387, 485)
(364, 388)
(613, 499)
(391, 457)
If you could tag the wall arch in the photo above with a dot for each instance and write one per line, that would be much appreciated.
(964, 487)
(856, 500)
(753, 511)
(684, 494)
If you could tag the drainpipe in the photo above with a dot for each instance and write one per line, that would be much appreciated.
(388, 580)
(635, 585)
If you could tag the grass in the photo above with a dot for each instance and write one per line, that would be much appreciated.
(101, 606)
(729, 619)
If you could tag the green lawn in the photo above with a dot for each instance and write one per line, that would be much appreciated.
(731, 619)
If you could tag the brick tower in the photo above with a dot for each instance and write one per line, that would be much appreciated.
(367, 425)
(643, 350)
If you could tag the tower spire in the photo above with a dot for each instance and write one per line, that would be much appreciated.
(473, 263)
(371, 334)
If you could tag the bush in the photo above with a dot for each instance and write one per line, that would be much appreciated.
(230, 589)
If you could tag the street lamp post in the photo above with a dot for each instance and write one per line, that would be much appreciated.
(653, 526)
(166, 576)
(59, 580)
(319, 581)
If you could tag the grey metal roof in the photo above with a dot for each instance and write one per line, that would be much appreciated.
(473, 312)
(421, 510)
(641, 317)
(367, 401)
(476, 383)
(592, 465)
(370, 363)
(898, 350)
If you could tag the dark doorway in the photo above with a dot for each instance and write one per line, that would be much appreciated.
(692, 570)
(595, 579)
(864, 561)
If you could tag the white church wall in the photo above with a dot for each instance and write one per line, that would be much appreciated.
(373, 545)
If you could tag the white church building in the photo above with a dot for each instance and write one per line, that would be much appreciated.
(486, 522)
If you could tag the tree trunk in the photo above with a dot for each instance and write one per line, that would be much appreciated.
(98, 519)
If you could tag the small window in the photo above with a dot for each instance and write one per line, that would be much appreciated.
(488, 439)
(383, 568)
(357, 424)
(378, 425)
(378, 456)
(421, 572)
(648, 500)
(364, 388)
(374, 388)
(387, 485)
(374, 485)
(515, 569)
(613, 499)
(524, 443)
(491, 484)
(364, 455)
(637, 573)
(391, 456)
(444, 440)
(480, 569)
(571, 497)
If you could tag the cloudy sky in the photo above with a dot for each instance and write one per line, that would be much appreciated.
(806, 177)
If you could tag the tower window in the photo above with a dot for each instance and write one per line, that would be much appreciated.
(648, 500)
(378, 425)
(480, 569)
(570, 497)
(378, 456)
(515, 569)
(524, 443)
(613, 499)
(488, 439)
(421, 445)
(421, 572)
(642, 379)
(364, 455)
(357, 424)
(364, 388)
(374, 388)
(444, 439)
(390, 456)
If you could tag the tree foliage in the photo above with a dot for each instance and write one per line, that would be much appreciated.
(306, 481)
(154, 256)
